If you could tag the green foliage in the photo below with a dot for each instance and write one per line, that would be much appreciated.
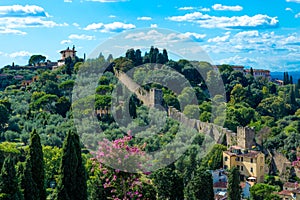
(214, 159)
(263, 191)
(200, 187)
(233, 188)
(36, 59)
(9, 188)
(168, 184)
(34, 170)
(72, 175)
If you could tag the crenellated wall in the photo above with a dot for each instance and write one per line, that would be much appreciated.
(244, 136)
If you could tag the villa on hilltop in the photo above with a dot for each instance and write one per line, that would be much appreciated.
(65, 54)
(256, 72)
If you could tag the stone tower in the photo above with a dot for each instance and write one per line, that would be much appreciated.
(156, 97)
(245, 137)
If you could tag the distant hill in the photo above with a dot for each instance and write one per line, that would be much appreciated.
(279, 75)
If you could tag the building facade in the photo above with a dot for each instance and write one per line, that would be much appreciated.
(250, 163)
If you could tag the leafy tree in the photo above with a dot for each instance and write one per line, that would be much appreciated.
(214, 159)
(200, 187)
(36, 59)
(169, 185)
(191, 111)
(52, 157)
(4, 115)
(72, 174)
(9, 188)
(234, 189)
(34, 170)
(261, 191)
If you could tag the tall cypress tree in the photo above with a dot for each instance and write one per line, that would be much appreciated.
(200, 187)
(168, 183)
(34, 173)
(72, 175)
(234, 189)
(9, 188)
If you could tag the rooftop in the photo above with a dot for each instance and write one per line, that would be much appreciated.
(220, 184)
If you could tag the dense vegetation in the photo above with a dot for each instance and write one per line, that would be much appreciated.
(37, 129)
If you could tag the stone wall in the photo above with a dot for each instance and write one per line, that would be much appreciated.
(244, 136)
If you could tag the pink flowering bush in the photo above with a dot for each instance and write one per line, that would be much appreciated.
(296, 163)
(120, 167)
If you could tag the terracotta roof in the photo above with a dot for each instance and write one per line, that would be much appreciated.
(291, 185)
(220, 185)
(285, 193)
(250, 154)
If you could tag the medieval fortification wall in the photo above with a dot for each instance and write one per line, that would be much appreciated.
(243, 138)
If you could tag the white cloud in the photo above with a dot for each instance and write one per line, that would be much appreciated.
(112, 27)
(16, 16)
(238, 60)
(81, 37)
(17, 22)
(227, 8)
(205, 9)
(68, 1)
(153, 26)
(289, 9)
(295, 1)
(11, 31)
(195, 36)
(112, 16)
(144, 18)
(76, 24)
(235, 22)
(219, 38)
(22, 11)
(154, 35)
(297, 15)
(186, 8)
(66, 42)
(247, 34)
(20, 54)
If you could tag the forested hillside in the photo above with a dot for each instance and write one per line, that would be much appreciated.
(37, 128)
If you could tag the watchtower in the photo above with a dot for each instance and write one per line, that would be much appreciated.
(155, 97)
(245, 137)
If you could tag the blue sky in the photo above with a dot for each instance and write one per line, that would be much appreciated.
(258, 33)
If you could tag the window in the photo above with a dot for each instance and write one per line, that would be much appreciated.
(242, 168)
(226, 158)
(242, 159)
(225, 166)
(251, 169)
(251, 160)
(237, 159)
(238, 166)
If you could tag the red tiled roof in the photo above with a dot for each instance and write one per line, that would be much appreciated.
(291, 185)
(285, 193)
(220, 185)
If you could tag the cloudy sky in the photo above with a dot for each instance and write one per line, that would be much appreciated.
(257, 33)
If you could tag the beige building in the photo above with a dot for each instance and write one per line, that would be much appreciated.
(65, 54)
(250, 163)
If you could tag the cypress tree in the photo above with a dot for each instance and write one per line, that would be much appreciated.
(233, 189)
(251, 71)
(200, 187)
(34, 173)
(168, 183)
(165, 56)
(9, 188)
(292, 98)
(72, 175)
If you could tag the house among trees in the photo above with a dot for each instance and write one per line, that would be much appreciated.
(65, 54)
(255, 72)
(250, 163)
